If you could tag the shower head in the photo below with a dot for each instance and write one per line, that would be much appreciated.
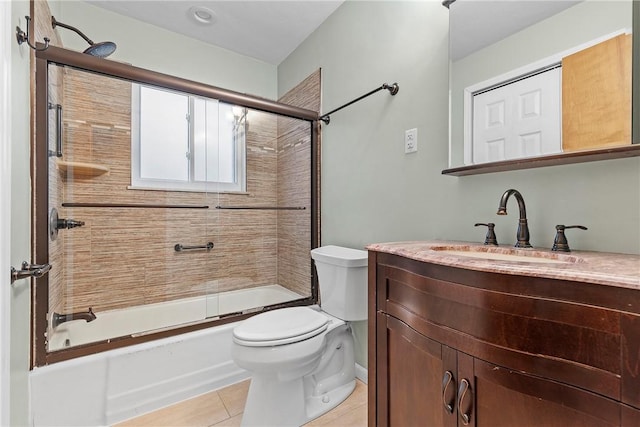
(101, 50)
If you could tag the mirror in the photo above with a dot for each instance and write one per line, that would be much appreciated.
(517, 80)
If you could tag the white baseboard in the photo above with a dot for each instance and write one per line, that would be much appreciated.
(362, 373)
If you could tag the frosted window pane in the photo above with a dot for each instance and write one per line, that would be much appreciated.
(164, 135)
(200, 136)
(183, 142)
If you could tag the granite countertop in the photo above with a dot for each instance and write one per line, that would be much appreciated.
(604, 268)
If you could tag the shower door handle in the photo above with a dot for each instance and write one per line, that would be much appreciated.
(58, 108)
(29, 270)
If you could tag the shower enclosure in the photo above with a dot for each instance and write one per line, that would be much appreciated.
(164, 205)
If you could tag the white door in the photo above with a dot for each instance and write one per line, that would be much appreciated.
(519, 119)
(6, 35)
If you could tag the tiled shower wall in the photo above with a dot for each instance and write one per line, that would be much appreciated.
(294, 187)
(124, 256)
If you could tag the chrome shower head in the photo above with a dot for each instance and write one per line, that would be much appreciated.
(101, 50)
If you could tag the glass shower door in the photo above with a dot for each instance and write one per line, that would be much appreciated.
(128, 257)
(264, 232)
(158, 221)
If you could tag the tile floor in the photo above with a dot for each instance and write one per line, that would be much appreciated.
(223, 408)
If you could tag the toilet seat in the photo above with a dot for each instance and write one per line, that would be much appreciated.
(280, 327)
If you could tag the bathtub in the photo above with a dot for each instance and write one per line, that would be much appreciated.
(150, 318)
(108, 387)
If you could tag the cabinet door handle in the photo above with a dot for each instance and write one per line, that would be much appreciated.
(465, 416)
(446, 380)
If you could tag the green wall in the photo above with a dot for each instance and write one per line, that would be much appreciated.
(373, 192)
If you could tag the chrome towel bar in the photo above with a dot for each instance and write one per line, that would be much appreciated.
(180, 247)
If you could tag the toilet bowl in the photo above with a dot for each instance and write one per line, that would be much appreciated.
(302, 358)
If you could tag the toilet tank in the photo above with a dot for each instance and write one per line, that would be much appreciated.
(342, 281)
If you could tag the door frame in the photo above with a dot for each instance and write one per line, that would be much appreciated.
(5, 207)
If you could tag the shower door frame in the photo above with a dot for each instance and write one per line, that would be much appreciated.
(40, 189)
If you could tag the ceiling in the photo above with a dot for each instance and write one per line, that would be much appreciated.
(265, 30)
(270, 30)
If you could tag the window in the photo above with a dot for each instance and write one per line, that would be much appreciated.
(186, 143)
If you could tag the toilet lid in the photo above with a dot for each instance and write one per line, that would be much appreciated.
(278, 327)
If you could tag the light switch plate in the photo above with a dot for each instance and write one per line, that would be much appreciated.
(410, 141)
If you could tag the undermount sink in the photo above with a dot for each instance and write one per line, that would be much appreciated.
(506, 254)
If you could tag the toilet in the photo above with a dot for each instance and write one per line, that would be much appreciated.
(301, 359)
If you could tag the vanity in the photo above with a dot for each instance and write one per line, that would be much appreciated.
(471, 335)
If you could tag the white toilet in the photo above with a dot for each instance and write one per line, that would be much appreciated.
(301, 358)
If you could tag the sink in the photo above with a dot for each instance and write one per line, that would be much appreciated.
(506, 254)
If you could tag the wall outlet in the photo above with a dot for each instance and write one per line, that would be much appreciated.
(410, 141)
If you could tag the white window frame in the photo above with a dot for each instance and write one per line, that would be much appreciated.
(139, 183)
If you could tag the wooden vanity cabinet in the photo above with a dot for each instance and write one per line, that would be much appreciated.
(454, 347)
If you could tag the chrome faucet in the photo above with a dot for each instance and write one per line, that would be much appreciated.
(58, 319)
(523, 229)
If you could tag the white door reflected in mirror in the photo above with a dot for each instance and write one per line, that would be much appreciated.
(519, 119)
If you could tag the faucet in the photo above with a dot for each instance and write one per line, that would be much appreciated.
(58, 319)
(523, 228)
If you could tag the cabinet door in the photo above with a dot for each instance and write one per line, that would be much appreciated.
(630, 326)
(508, 398)
(410, 373)
(630, 416)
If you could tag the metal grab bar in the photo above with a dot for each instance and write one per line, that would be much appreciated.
(264, 208)
(29, 270)
(180, 247)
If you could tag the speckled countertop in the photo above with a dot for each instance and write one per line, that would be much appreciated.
(594, 267)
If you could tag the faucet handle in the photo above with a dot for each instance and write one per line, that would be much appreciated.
(560, 242)
(490, 238)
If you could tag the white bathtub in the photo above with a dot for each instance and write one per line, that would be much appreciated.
(108, 387)
(152, 317)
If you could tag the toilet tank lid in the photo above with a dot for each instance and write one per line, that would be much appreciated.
(337, 255)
